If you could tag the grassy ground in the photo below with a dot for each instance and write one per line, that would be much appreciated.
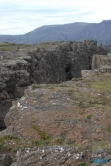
(109, 54)
(11, 46)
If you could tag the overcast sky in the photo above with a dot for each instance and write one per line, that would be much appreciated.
(21, 16)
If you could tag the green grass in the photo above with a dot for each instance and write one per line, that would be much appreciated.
(96, 144)
(70, 91)
(109, 54)
(13, 109)
(11, 46)
(102, 107)
(4, 146)
(89, 116)
(103, 85)
(77, 79)
(34, 119)
(44, 136)
(35, 86)
(37, 143)
(107, 129)
(58, 141)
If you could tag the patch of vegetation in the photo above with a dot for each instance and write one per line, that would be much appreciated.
(109, 54)
(4, 142)
(10, 137)
(13, 109)
(49, 86)
(100, 101)
(11, 46)
(84, 99)
(107, 129)
(89, 116)
(77, 79)
(82, 111)
(44, 136)
(70, 91)
(84, 104)
(71, 142)
(96, 144)
(102, 107)
(35, 86)
(34, 119)
(17, 147)
(58, 141)
(103, 85)
(37, 143)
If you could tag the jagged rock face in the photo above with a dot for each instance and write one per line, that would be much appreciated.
(49, 63)
(14, 77)
(63, 62)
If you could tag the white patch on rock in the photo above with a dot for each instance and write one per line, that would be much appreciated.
(18, 104)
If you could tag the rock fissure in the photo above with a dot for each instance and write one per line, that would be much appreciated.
(68, 113)
(46, 63)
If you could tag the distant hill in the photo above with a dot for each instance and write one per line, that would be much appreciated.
(73, 31)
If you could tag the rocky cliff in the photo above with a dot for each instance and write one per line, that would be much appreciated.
(75, 113)
(45, 63)
(14, 77)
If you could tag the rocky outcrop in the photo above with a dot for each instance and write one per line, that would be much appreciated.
(101, 65)
(46, 63)
(62, 62)
(73, 113)
(14, 77)
(101, 62)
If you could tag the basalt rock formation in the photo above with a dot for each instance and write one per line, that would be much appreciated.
(14, 77)
(75, 113)
(44, 63)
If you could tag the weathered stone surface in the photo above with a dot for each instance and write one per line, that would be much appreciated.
(101, 64)
(58, 155)
(99, 61)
